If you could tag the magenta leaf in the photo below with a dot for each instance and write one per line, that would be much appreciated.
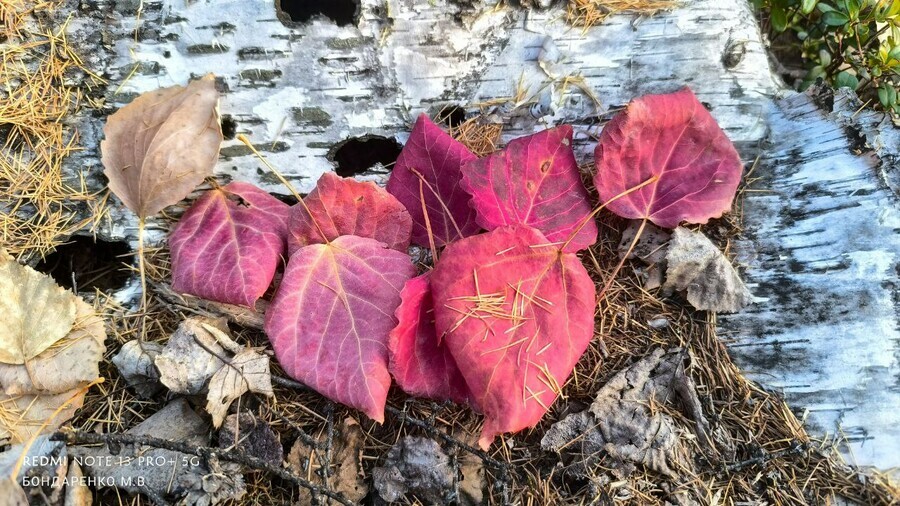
(330, 319)
(428, 170)
(228, 244)
(420, 364)
(673, 138)
(517, 314)
(533, 181)
(344, 206)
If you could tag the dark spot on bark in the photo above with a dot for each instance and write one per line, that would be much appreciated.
(857, 139)
(85, 264)
(342, 12)
(229, 126)
(358, 154)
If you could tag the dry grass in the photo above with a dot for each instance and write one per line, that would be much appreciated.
(36, 201)
(588, 13)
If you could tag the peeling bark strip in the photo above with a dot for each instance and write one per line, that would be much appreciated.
(824, 256)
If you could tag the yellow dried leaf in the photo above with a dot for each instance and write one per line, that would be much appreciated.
(159, 147)
(34, 311)
(70, 363)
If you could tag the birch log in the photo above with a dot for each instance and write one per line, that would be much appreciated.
(825, 266)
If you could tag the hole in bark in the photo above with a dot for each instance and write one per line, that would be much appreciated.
(89, 264)
(229, 127)
(358, 154)
(452, 115)
(287, 199)
(342, 12)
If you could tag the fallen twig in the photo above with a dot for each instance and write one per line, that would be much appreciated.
(81, 437)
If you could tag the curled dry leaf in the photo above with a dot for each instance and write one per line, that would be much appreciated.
(673, 138)
(159, 147)
(247, 371)
(344, 471)
(228, 244)
(419, 466)
(517, 314)
(650, 248)
(533, 181)
(251, 436)
(426, 179)
(418, 362)
(696, 265)
(34, 311)
(330, 319)
(344, 206)
(191, 356)
(55, 377)
(622, 425)
(135, 362)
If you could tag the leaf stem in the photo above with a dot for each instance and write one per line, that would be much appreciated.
(612, 276)
(584, 221)
(141, 267)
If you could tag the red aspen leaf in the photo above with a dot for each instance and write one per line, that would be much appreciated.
(159, 147)
(517, 314)
(344, 206)
(421, 365)
(228, 244)
(674, 138)
(428, 169)
(533, 181)
(330, 319)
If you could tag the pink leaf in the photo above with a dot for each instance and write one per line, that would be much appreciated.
(516, 314)
(533, 181)
(674, 138)
(228, 244)
(344, 206)
(429, 169)
(330, 319)
(421, 365)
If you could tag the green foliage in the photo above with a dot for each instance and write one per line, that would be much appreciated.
(848, 43)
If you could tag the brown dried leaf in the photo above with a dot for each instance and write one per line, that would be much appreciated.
(416, 465)
(162, 145)
(625, 425)
(696, 265)
(345, 473)
(34, 311)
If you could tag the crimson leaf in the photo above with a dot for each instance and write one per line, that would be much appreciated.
(227, 246)
(533, 181)
(331, 316)
(344, 206)
(673, 138)
(421, 365)
(517, 314)
(426, 180)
